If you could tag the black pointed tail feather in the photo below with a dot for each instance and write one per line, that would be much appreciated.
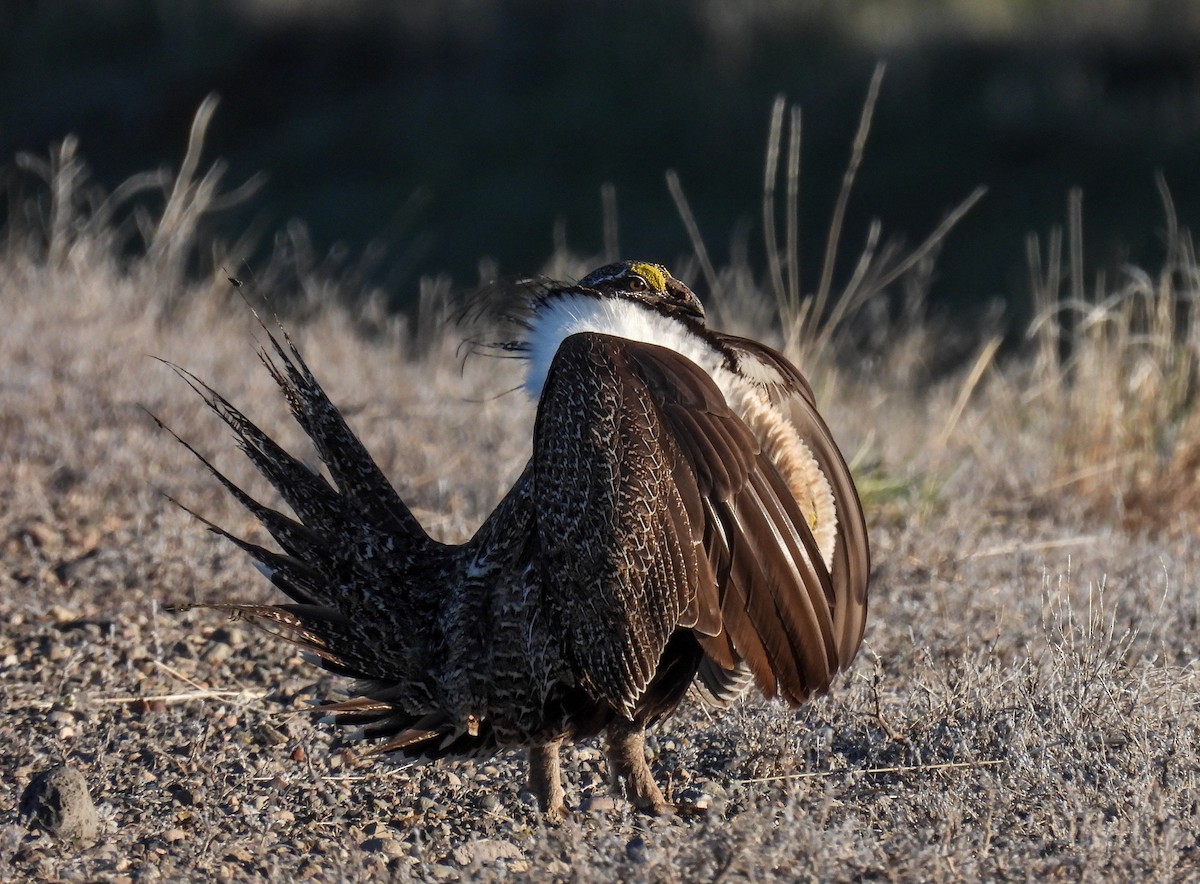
(300, 582)
(353, 559)
(356, 475)
(310, 497)
(426, 737)
(352, 538)
(378, 708)
(318, 630)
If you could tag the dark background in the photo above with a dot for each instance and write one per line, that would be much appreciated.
(434, 133)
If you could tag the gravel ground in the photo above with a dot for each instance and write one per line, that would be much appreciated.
(1024, 705)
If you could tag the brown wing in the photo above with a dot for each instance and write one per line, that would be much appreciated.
(851, 567)
(656, 510)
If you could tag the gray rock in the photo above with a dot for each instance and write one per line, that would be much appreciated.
(599, 804)
(58, 801)
(694, 801)
(217, 653)
(486, 852)
(636, 849)
(387, 846)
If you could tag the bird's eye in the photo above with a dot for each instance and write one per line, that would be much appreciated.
(637, 284)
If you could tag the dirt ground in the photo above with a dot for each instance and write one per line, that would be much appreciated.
(1024, 706)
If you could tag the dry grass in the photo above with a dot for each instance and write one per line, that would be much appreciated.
(1024, 706)
(1110, 379)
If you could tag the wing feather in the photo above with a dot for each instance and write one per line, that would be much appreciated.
(658, 510)
(612, 522)
(850, 571)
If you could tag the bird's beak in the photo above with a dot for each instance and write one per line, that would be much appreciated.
(685, 299)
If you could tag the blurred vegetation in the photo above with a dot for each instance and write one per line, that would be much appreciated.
(417, 138)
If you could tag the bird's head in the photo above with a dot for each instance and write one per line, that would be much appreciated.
(650, 284)
(636, 300)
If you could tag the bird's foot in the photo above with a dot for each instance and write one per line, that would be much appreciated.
(557, 815)
(655, 808)
(545, 781)
(630, 772)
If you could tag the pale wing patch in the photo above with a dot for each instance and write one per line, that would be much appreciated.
(755, 369)
(787, 451)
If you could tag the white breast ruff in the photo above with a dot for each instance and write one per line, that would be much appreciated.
(568, 315)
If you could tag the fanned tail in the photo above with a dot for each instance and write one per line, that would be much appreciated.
(353, 559)
(351, 536)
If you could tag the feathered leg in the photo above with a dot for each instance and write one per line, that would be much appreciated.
(545, 779)
(627, 762)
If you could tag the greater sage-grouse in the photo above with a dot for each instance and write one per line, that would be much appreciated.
(685, 518)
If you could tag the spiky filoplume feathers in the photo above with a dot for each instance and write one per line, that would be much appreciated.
(685, 517)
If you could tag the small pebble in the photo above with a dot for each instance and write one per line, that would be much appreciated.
(694, 800)
(217, 653)
(485, 852)
(239, 854)
(636, 850)
(271, 735)
(599, 804)
(58, 802)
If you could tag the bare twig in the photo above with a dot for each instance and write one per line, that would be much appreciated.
(916, 768)
(843, 199)
(1009, 549)
(770, 174)
(1075, 234)
(982, 363)
(793, 211)
(693, 230)
(933, 240)
(181, 698)
(176, 674)
(608, 201)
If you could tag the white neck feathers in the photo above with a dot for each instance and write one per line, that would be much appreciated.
(570, 314)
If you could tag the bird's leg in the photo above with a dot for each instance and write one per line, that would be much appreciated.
(627, 761)
(545, 779)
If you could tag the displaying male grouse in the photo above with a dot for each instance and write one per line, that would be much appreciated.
(685, 518)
